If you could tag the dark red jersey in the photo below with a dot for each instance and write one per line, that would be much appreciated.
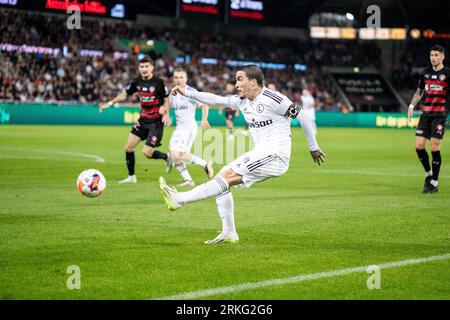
(151, 94)
(437, 94)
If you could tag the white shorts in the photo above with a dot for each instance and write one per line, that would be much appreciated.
(256, 166)
(182, 139)
(311, 113)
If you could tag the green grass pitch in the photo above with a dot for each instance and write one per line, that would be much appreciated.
(363, 207)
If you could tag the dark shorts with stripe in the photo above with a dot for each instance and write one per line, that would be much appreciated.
(431, 127)
(152, 132)
(230, 114)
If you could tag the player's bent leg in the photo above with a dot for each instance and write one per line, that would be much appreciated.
(147, 151)
(151, 153)
(182, 169)
(221, 183)
(193, 159)
(132, 142)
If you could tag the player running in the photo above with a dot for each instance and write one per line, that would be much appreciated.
(267, 113)
(308, 105)
(153, 95)
(186, 131)
(435, 82)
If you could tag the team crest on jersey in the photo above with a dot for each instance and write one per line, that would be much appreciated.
(260, 108)
(152, 89)
(442, 77)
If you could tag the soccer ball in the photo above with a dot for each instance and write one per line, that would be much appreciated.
(91, 183)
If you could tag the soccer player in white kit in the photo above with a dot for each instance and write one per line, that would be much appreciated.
(267, 113)
(185, 132)
(308, 105)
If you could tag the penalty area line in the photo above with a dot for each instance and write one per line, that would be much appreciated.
(299, 278)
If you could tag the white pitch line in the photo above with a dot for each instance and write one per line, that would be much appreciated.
(76, 154)
(299, 278)
(82, 155)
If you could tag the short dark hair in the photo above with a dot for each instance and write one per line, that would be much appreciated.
(146, 59)
(439, 48)
(179, 69)
(252, 71)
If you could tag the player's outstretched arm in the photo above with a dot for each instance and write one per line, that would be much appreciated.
(121, 97)
(205, 111)
(206, 98)
(164, 111)
(415, 100)
(307, 126)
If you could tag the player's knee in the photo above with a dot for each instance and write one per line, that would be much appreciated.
(129, 149)
(231, 177)
(435, 146)
(147, 152)
(420, 146)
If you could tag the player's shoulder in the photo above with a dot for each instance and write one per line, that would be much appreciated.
(191, 88)
(136, 80)
(272, 97)
(426, 70)
(447, 70)
(157, 79)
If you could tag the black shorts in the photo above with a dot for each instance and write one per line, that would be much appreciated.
(152, 132)
(230, 114)
(431, 127)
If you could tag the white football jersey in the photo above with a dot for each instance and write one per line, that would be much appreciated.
(267, 119)
(184, 109)
(307, 102)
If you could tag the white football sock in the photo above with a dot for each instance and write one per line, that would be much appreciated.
(181, 167)
(225, 206)
(206, 190)
(434, 183)
(198, 161)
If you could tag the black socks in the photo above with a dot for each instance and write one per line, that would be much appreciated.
(159, 155)
(423, 157)
(436, 163)
(130, 162)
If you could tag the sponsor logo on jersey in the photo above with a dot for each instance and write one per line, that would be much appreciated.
(259, 124)
(435, 87)
(427, 76)
(434, 76)
(442, 77)
(144, 89)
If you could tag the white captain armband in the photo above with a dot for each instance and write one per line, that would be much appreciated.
(293, 111)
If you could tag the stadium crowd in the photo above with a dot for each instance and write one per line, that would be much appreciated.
(71, 77)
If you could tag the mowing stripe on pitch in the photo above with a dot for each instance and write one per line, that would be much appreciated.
(373, 173)
(299, 278)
